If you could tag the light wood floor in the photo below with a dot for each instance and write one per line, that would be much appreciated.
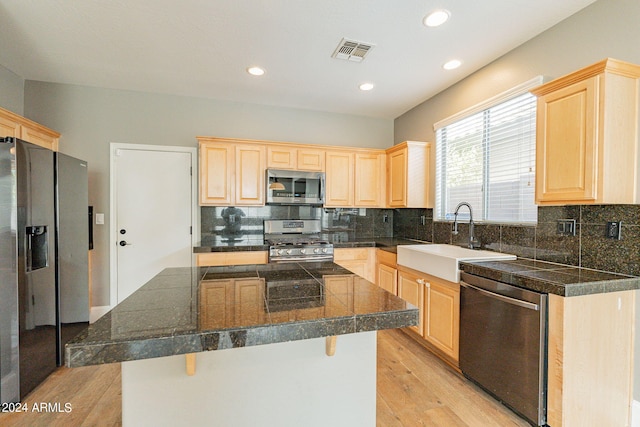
(415, 388)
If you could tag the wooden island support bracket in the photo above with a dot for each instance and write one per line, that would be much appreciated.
(331, 345)
(190, 359)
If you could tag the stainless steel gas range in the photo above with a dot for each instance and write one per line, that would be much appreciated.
(292, 240)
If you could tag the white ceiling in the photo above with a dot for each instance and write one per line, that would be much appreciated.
(202, 47)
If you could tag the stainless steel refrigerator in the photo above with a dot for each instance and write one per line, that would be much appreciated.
(44, 295)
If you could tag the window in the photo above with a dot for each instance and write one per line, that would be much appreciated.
(486, 156)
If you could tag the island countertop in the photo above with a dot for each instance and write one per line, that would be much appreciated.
(190, 310)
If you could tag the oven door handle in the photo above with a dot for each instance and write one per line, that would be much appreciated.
(503, 298)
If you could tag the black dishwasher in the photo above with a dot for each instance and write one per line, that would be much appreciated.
(503, 343)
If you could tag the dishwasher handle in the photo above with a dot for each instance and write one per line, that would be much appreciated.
(509, 300)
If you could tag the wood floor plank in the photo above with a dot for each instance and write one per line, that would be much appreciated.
(414, 388)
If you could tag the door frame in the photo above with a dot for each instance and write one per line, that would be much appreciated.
(113, 208)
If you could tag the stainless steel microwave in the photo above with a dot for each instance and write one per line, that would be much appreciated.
(285, 187)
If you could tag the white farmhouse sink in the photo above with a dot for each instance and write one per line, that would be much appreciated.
(442, 260)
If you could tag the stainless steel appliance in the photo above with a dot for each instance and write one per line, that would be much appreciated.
(285, 187)
(503, 343)
(296, 240)
(43, 262)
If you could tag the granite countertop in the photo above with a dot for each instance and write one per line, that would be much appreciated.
(547, 277)
(255, 242)
(188, 310)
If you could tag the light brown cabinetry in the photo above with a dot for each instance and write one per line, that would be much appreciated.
(590, 359)
(295, 158)
(355, 178)
(411, 289)
(232, 174)
(408, 175)
(17, 126)
(339, 179)
(442, 316)
(369, 183)
(231, 302)
(387, 271)
(586, 136)
(360, 261)
(439, 303)
(231, 258)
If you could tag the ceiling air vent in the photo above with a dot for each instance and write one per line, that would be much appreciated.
(352, 50)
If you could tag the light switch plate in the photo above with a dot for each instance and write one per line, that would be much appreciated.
(99, 218)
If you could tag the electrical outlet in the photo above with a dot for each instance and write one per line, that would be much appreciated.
(566, 227)
(385, 218)
(614, 230)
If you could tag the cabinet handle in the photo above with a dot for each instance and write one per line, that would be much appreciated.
(420, 281)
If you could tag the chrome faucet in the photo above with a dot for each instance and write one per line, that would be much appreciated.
(473, 242)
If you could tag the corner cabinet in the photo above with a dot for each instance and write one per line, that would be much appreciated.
(232, 174)
(17, 126)
(408, 180)
(587, 137)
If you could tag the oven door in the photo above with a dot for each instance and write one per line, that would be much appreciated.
(295, 187)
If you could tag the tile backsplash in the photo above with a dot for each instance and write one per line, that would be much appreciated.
(228, 224)
(589, 248)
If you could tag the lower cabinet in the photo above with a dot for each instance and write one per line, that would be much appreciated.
(439, 304)
(231, 258)
(231, 302)
(360, 261)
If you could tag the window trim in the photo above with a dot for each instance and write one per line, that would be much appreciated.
(484, 106)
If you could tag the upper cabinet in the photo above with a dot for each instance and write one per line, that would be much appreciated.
(231, 174)
(295, 158)
(586, 136)
(408, 175)
(355, 178)
(17, 126)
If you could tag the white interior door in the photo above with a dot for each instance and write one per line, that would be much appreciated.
(153, 204)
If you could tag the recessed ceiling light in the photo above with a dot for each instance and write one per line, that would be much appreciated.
(255, 71)
(452, 65)
(366, 86)
(436, 18)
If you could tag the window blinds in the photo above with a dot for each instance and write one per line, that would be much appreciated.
(486, 156)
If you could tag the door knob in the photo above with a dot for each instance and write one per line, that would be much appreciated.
(123, 243)
(123, 231)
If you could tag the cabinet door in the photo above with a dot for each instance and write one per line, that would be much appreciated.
(310, 160)
(249, 302)
(360, 261)
(216, 298)
(566, 143)
(281, 157)
(338, 295)
(216, 165)
(339, 179)
(410, 290)
(442, 317)
(369, 184)
(249, 175)
(388, 278)
(397, 179)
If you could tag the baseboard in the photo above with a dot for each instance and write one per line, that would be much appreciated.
(98, 312)
(635, 414)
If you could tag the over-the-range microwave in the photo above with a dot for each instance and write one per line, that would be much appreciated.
(286, 187)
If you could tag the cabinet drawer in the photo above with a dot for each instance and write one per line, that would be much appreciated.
(231, 258)
(351, 254)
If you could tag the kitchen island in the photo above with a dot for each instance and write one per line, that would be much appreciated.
(300, 346)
